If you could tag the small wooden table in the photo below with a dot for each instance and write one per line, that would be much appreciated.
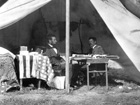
(100, 59)
(94, 62)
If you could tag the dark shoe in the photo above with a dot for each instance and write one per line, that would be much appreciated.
(74, 86)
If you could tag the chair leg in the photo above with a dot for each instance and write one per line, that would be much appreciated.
(21, 84)
(95, 78)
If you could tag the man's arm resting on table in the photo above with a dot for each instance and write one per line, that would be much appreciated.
(55, 61)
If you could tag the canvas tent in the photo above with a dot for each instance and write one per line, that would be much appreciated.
(123, 25)
(32, 29)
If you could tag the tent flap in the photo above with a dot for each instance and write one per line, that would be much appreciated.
(10, 14)
(124, 26)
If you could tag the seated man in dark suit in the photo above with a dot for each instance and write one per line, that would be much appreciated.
(58, 63)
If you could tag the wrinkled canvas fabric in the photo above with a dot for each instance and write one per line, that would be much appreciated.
(124, 26)
(8, 78)
(14, 10)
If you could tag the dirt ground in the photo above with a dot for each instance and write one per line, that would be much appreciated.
(126, 94)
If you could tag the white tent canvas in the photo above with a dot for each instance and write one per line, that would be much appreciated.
(124, 26)
(11, 14)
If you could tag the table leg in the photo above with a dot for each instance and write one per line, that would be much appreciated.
(88, 77)
(106, 76)
(39, 84)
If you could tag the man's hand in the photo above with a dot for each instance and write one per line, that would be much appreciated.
(62, 63)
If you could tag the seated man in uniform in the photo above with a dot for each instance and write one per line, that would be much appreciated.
(94, 47)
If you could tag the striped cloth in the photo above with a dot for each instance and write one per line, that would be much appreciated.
(34, 66)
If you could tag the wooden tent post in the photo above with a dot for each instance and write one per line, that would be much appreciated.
(67, 44)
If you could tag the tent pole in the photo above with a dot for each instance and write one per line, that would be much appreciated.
(67, 44)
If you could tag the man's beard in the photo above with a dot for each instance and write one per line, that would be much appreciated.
(54, 45)
(90, 45)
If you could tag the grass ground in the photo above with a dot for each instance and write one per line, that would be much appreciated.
(125, 94)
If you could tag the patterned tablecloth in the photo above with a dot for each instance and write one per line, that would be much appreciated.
(35, 66)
